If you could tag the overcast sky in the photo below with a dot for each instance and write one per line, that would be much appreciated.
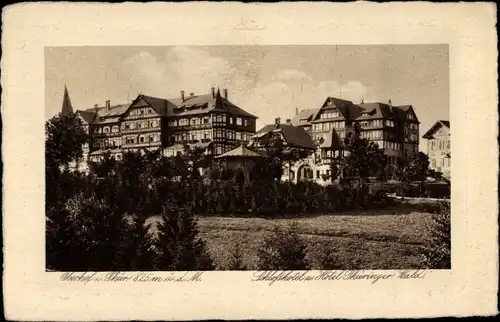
(268, 81)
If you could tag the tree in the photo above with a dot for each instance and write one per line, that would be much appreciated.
(103, 168)
(416, 169)
(64, 139)
(283, 249)
(134, 250)
(180, 246)
(276, 155)
(363, 159)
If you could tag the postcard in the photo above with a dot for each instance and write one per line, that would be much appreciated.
(181, 161)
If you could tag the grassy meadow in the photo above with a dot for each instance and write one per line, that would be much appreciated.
(384, 239)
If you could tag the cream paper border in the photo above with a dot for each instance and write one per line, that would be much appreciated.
(468, 289)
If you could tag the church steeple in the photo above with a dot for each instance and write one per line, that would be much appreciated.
(67, 108)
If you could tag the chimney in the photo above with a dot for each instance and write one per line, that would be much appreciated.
(362, 101)
(182, 96)
(296, 111)
(108, 105)
(191, 94)
(288, 121)
(225, 93)
(277, 122)
(213, 92)
(390, 102)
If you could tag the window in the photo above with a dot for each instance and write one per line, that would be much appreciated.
(238, 136)
(193, 136)
(238, 121)
(448, 144)
(442, 162)
(317, 174)
(433, 163)
(224, 118)
(206, 120)
(115, 129)
(206, 135)
(141, 139)
(151, 138)
(218, 150)
(246, 122)
(230, 120)
(330, 115)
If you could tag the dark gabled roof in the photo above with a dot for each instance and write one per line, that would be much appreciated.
(114, 111)
(348, 110)
(332, 141)
(240, 152)
(87, 116)
(101, 115)
(435, 127)
(196, 104)
(191, 105)
(294, 136)
(304, 115)
(375, 111)
(445, 123)
(159, 105)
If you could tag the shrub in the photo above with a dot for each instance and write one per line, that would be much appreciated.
(235, 262)
(437, 254)
(325, 257)
(283, 249)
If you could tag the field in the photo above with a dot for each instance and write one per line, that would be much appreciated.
(361, 240)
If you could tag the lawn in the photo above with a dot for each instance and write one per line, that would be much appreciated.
(361, 240)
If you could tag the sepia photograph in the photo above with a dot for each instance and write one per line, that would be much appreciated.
(246, 161)
(199, 158)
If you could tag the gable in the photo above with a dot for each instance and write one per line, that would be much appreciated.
(140, 108)
(410, 115)
(438, 127)
(442, 131)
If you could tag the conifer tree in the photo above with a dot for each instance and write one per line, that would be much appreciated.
(235, 262)
(180, 246)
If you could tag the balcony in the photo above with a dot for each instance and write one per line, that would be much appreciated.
(190, 127)
(141, 130)
(141, 145)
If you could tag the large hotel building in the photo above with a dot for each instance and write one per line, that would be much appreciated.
(212, 123)
(209, 122)
(395, 129)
